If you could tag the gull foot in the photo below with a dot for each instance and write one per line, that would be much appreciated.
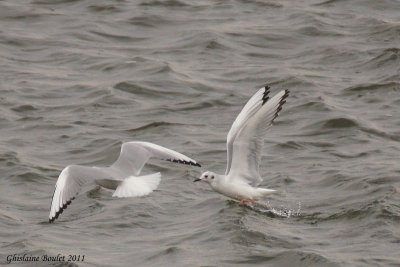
(244, 201)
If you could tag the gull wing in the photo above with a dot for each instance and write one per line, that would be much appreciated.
(251, 107)
(134, 156)
(68, 185)
(246, 137)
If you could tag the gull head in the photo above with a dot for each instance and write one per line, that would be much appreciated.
(206, 177)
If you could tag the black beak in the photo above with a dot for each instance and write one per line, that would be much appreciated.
(196, 180)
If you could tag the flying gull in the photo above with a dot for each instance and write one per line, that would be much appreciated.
(122, 176)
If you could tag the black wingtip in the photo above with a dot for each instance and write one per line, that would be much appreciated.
(265, 96)
(281, 102)
(184, 162)
(51, 220)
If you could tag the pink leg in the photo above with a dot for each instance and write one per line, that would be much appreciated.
(244, 201)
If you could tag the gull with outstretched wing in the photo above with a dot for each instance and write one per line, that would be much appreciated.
(122, 176)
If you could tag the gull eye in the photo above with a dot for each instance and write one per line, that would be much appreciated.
(212, 177)
(206, 176)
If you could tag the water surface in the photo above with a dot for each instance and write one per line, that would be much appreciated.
(80, 77)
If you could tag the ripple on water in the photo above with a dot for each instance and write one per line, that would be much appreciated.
(168, 3)
(375, 88)
(329, 126)
(84, 76)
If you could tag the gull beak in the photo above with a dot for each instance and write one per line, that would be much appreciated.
(196, 180)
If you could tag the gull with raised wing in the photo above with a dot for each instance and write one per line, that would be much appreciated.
(122, 176)
(244, 147)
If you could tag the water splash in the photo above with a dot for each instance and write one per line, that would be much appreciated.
(282, 211)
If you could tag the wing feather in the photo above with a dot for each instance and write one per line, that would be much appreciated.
(251, 107)
(67, 187)
(134, 156)
(247, 145)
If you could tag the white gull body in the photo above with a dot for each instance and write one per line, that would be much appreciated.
(244, 148)
(122, 175)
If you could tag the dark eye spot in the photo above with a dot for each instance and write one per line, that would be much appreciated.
(212, 177)
(206, 176)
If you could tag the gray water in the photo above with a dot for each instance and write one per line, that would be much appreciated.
(78, 78)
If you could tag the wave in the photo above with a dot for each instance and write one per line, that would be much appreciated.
(167, 3)
(374, 87)
(159, 124)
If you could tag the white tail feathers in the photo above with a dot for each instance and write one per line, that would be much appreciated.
(265, 191)
(137, 186)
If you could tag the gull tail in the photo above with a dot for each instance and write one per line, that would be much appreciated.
(137, 186)
(264, 191)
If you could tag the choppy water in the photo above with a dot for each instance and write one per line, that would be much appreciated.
(80, 77)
